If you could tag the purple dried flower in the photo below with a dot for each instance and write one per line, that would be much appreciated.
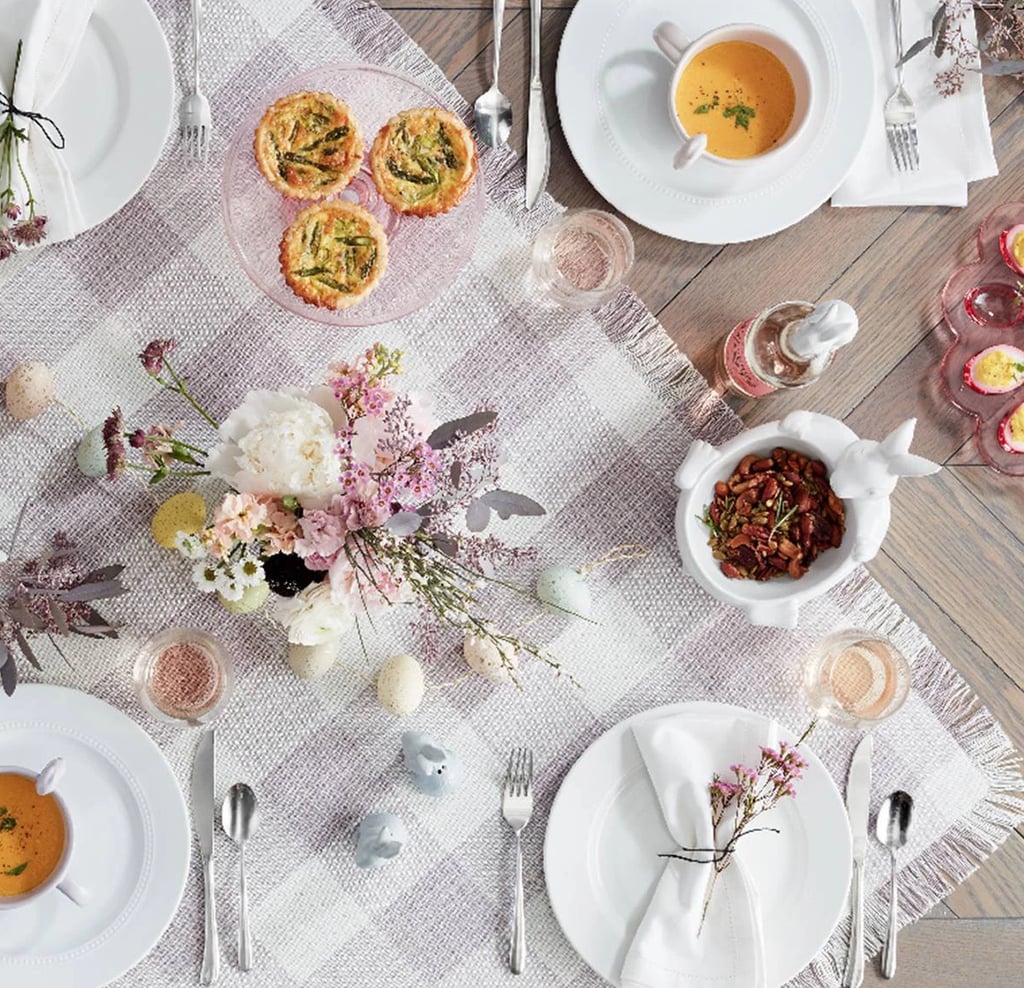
(153, 356)
(30, 232)
(7, 247)
(12, 211)
(113, 442)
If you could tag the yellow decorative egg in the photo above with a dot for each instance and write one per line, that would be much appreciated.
(252, 599)
(312, 661)
(400, 685)
(29, 390)
(182, 513)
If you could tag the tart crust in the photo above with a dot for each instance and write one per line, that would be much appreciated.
(423, 161)
(308, 145)
(333, 254)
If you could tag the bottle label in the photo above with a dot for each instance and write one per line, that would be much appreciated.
(741, 374)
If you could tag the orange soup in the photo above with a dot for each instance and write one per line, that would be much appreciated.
(740, 95)
(31, 835)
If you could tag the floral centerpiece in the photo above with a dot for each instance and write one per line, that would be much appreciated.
(344, 499)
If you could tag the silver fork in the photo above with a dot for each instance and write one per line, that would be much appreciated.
(196, 119)
(517, 808)
(899, 114)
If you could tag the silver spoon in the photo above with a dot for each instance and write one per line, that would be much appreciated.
(891, 828)
(240, 817)
(493, 109)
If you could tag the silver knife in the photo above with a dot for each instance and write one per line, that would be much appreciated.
(858, 796)
(538, 141)
(203, 773)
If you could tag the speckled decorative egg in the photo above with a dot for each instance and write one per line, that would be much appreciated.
(184, 512)
(484, 657)
(564, 590)
(91, 455)
(312, 661)
(29, 390)
(400, 685)
(252, 599)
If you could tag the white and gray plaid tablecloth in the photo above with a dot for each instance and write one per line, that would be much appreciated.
(597, 411)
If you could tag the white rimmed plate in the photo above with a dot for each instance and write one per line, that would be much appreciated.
(612, 86)
(606, 830)
(132, 841)
(117, 104)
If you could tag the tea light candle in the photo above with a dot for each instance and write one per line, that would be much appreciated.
(184, 676)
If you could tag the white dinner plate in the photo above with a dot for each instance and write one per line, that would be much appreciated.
(606, 830)
(117, 104)
(612, 86)
(132, 841)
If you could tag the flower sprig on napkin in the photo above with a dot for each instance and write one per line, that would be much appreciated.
(737, 801)
(19, 224)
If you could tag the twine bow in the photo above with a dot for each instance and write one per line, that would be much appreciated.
(43, 122)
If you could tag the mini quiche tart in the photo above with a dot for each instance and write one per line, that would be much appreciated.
(423, 161)
(308, 145)
(333, 254)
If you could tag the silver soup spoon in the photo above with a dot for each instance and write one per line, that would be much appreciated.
(240, 817)
(891, 828)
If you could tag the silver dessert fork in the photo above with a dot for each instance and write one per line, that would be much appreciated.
(899, 114)
(517, 808)
(196, 119)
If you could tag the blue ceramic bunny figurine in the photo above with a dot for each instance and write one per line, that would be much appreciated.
(435, 770)
(379, 839)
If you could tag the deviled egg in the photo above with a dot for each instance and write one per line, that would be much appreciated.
(995, 370)
(1011, 431)
(1011, 246)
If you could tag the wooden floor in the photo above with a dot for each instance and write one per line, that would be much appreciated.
(953, 556)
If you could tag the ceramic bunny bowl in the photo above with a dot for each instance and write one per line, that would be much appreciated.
(36, 828)
(862, 472)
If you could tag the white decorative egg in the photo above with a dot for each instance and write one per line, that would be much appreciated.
(400, 685)
(29, 390)
(564, 590)
(91, 454)
(252, 599)
(483, 656)
(312, 661)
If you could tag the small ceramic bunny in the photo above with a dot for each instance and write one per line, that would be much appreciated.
(435, 770)
(380, 839)
(870, 469)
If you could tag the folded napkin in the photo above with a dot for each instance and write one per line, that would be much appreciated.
(953, 132)
(682, 754)
(49, 49)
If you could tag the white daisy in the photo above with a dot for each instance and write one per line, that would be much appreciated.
(227, 586)
(247, 572)
(205, 576)
(189, 546)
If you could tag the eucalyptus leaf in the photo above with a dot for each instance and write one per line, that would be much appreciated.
(446, 432)
(26, 650)
(403, 523)
(446, 544)
(58, 618)
(25, 617)
(104, 573)
(101, 590)
(508, 503)
(8, 671)
(915, 49)
(478, 514)
(456, 472)
(939, 20)
(1011, 66)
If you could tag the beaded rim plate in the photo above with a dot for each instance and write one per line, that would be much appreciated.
(425, 255)
(611, 83)
(132, 841)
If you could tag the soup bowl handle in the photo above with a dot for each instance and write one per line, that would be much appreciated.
(671, 41)
(690, 152)
(78, 895)
(46, 781)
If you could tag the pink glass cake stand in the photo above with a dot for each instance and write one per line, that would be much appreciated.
(998, 317)
(424, 254)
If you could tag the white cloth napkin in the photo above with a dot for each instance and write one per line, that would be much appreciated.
(49, 50)
(954, 138)
(681, 755)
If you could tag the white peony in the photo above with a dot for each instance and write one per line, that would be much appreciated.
(279, 443)
(313, 616)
